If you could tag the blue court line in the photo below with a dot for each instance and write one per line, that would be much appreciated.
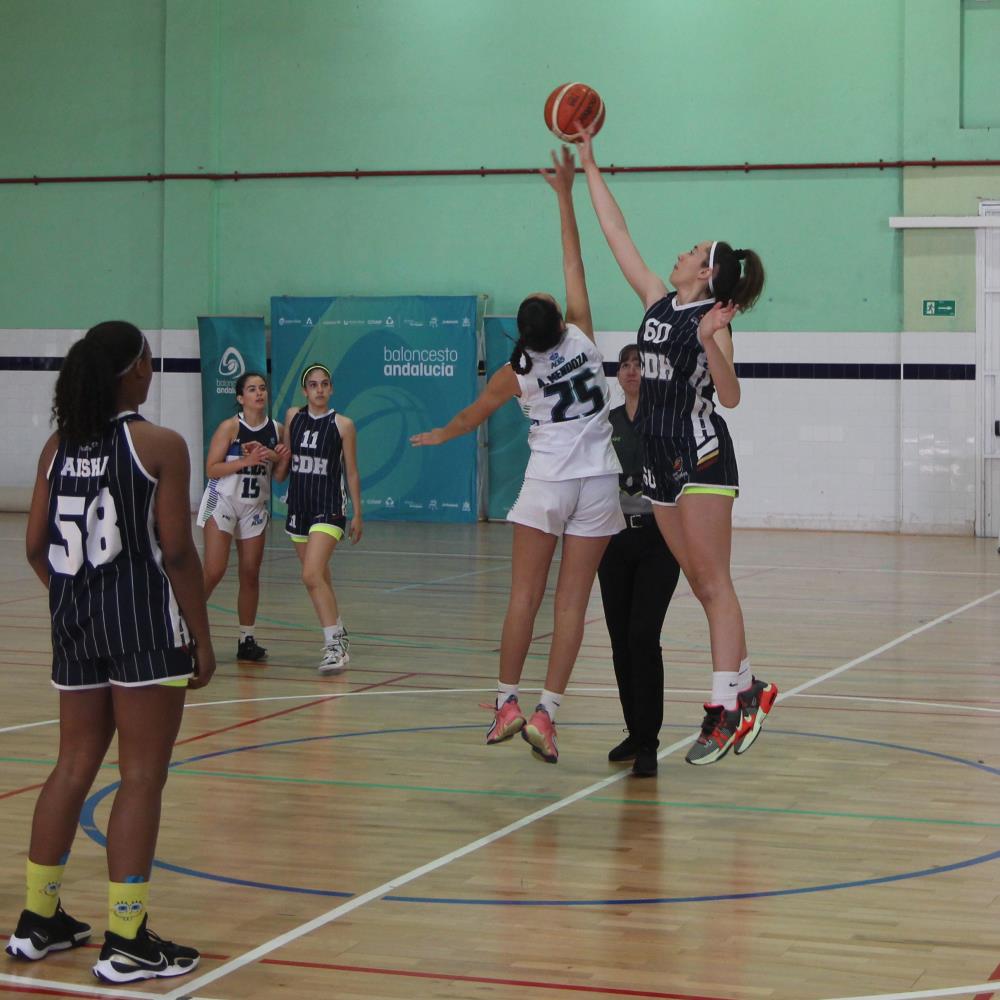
(89, 826)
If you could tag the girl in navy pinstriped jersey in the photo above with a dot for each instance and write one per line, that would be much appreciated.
(689, 464)
(324, 454)
(245, 452)
(109, 535)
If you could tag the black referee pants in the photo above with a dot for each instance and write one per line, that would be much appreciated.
(638, 576)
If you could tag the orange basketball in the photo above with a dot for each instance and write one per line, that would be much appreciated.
(570, 103)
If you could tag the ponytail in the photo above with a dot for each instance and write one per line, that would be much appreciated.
(540, 326)
(731, 282)
(86, 395)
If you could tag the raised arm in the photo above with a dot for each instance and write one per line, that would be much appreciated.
(577, 300)
(647, 284)
(501, 387)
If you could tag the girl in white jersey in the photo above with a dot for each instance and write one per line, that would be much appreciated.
(570, 485)
(245, 452)
(689, 462)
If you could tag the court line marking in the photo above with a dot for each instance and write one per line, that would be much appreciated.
(395, 883)
(444, 579)
(576, 692)
(87, 991)
(949, 991)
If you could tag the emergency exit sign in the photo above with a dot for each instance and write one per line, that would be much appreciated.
(939, 307)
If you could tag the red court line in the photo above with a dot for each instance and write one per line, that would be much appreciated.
(995, 974)
(17, 791)
(287, 711)
(527, 983)
(48, 992)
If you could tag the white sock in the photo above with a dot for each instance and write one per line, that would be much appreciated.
(504, 691)
(340, 622)
(246, 632)
(745, 677)
(725, 684)
(330, 632)
(550, 701)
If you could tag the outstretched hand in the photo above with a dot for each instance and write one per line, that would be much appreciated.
(561, 178)
(717, 318)
(435, 436)
(584, 140)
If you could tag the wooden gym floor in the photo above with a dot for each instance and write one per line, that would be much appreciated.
(352, 837)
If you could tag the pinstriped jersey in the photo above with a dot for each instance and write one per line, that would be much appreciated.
(108, 592)
(566, 398)
(316, 480)
(251, 485)
(677, 395)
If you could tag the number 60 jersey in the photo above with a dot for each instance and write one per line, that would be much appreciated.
(108, 593)
(566, 398)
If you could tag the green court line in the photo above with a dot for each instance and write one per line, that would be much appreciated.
(502, 793)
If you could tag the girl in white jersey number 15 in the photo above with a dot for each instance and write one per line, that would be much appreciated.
(570, 485)
(689, 463)
(246, 450)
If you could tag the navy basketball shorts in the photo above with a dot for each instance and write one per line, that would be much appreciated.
(673, 466)
(299, 525)
(158, 666)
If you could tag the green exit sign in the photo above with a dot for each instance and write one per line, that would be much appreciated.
(939, 307)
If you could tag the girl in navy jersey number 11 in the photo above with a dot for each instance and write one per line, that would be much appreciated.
(324, 454)
(689, 464)
(245, 452)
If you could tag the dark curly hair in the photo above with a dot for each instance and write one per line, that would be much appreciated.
(86, 393)
(540, 325)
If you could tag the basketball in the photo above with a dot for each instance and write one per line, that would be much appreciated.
(570, 103)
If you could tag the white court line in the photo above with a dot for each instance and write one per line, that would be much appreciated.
(28, 725)
(86, 991)
(950, 991)
(379, 891)
(444, 579)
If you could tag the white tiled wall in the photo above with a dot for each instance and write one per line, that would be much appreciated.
(863, 455)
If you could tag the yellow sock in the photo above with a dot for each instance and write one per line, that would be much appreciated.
(127, 906)
(43, 883)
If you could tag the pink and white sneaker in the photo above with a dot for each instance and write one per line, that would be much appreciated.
(540, 732)
(508, 720)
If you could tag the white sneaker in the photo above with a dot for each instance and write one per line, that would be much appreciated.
(335, 658)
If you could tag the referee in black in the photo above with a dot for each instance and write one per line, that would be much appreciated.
(638, 575)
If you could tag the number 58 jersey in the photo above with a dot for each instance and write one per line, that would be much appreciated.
(108, 592)
(567, 400)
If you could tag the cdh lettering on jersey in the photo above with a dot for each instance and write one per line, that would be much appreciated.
(84, 467)
(306, 463)
(655, 331)
(657, 366)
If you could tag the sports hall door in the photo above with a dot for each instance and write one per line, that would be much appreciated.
(988, 371)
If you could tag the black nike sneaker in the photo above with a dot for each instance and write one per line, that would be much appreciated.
(147, 956)
(36, 936)
(247, 649)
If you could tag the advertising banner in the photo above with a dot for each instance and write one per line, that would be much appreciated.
(507, 429)
(400, 365)
(229, 347)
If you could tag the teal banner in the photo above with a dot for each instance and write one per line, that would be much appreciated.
(229, 346)
(400, 365)
(507, 429)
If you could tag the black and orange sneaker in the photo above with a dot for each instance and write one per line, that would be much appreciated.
(719, 731)
(754, 705)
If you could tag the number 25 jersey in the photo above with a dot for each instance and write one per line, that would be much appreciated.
(566, 398)
(108, 592)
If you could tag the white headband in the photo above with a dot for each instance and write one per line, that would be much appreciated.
(711, 265)
(135, 360)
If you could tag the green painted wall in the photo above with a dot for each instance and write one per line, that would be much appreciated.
(130, 86)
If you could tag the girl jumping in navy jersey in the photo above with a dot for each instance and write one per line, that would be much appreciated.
(570, 485)
(689, 465)
(109, 535)
(245, 452)
(323, 445)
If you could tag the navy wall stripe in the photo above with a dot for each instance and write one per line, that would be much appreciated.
(744, 369)
(809, 370)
